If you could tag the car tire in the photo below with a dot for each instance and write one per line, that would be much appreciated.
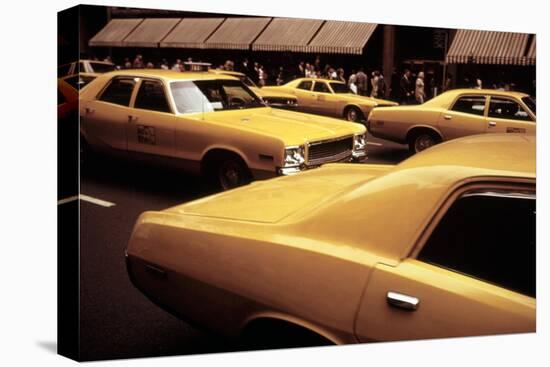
(353, 114)
(232, 172)
(422, 140)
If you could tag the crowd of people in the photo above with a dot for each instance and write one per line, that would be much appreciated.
(404, 87)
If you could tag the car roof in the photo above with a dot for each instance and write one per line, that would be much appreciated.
(495, 92)
(168, 75)
(317, 79)
(226, 72)
(410, 193)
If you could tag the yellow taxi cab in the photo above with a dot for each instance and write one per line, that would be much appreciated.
(441, 245)
(454, 114)
(208, 124)
(330, 97)
(271, 97)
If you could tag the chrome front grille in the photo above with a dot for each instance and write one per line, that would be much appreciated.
(333, 150)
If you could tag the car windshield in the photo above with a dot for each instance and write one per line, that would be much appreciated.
(531, 103)
(340, 88)
(212, 95)
(247, 81)
(99, 67)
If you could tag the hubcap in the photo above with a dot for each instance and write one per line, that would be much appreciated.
(230, 175)
(423, 142)
(352, 114)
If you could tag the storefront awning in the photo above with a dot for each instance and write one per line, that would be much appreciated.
(487, 47)
(287, 34)
(237, 33)
(191, 32)
(114, 32)
(531, 57)
(342, 37)
(150, 32)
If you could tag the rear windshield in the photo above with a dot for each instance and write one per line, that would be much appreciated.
(531, 103)
(101, 68)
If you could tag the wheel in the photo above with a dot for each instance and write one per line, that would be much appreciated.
(232, 173)
(422, 141)
(353, 114)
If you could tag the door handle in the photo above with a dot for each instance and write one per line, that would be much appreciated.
(402, 301)
(492, 124)
(132, 118)
(89, 110)
(447, 117)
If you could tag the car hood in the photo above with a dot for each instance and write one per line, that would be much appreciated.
(293, 128)
(273, 200)
(272, 93)
(368, 100)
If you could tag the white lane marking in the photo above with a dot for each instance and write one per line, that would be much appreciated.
(375, 144)
(87, 198)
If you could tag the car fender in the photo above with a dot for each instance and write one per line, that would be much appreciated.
(424, 126)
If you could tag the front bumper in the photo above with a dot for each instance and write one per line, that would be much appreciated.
(356, 157)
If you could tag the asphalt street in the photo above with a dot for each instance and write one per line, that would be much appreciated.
(116, 320)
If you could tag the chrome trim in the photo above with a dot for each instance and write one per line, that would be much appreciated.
(332, 158)
(502, 194)
(330, 140)
(403, 301)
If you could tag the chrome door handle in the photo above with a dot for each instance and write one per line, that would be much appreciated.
(132, 118)
(89, 110)
(492, 124)
(447, 117)
(402, 301)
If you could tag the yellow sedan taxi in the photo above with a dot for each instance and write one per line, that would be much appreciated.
(454, 114)
(272, 98)
(441, 245)
(330, 98)
(208, 124)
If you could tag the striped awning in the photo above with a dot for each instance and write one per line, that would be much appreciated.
(487, 47)
(191, 32)
(150, 32)
(237, 33)
(342, 37)
(531, 57)
(114, 32)
(287, 34)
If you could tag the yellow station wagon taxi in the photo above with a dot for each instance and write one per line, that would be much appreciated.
(454, 114)
(208, 124)
(329, 97)
(441, 245)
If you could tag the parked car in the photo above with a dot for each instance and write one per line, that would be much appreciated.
(329, 97)
(208, 124)
(272, 98)
(441, 245)
(454, 114)
(85, 66)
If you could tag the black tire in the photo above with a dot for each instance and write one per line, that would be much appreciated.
(353, 114)
(230, 172)
(422, 140)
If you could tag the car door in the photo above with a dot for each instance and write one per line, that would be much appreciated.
(473, 274)
(305, 96)
(105, 118)
(322, 94)
(466, 116)
(506, 115)
(151, 123)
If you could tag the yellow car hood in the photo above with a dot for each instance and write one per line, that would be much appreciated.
(272, 200)
(293, 128)
(350, 97)
(272, 93)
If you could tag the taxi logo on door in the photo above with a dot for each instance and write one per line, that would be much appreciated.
(146, 135)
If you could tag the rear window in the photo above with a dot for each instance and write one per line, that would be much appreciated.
(531, 103)
(98, 67)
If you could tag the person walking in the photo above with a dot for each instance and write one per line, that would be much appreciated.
(374, 82)
(405, 88)
(419, 93)
(361, 80)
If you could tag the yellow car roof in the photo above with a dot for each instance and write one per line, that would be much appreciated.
(168, 75)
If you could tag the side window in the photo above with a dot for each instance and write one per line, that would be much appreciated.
(305, 85)
(119, 91)
(81, 67)
(151, 97)
(504, 108)
(489, 235)
(321, 87)
(474, 105)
